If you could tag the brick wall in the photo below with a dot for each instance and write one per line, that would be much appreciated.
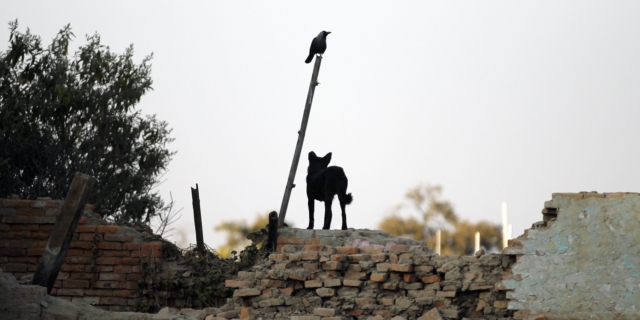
(381, 281)
(103, 264)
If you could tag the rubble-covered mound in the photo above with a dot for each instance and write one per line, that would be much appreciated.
(366, 277)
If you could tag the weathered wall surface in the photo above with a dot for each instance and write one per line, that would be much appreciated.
(103, 264)
(582, 262)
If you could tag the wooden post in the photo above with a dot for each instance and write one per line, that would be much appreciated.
(197, 218)
(63, 231)
(303, 130)
(272, 240)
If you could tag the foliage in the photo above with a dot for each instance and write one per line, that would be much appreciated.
(198, 281)
(436, 213)
(239, 232)
(61, 114)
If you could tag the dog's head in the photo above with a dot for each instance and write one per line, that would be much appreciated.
(316, 163)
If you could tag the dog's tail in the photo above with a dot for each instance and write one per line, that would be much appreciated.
(342, 188)
(348, 198)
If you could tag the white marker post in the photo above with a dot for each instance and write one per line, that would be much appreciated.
(438, 234)
(476, 248)
(504, 225)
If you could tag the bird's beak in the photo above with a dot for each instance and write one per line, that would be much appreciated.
(328, 32)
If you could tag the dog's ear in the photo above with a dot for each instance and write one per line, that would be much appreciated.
(327, 158)
(312, 156)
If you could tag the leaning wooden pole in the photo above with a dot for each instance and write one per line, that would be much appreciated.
(63, 231)
(303, 130)
(197, 218)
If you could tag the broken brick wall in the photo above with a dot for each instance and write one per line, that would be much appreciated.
(332, 274)
(581, 262)
(103, 264)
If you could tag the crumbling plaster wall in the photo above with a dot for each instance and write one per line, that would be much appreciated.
(582, 262)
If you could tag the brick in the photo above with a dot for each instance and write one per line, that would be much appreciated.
(108, 229)
(115, 253)
(132, 246)
(155, 246)
(118, 237)
(347, 250)
(70, 292)
(382, 267)
(80, 276)
(399, 248)
(8, 212)
(352, 283)
(409, 277)
(30, 260)
(109, 261)
(356, 275)
(314, 247)
(271, 283)
(355, 312)
(16, 203)
(4, 244)
(364, 301)
(98, 292)
(332, 265)
(297, 241)
(39, 235)
(247, 292)
(359, 257)
(310, 255)
(76, 284)
(125, 293)
(15, 219)
(79, 260)
(23, 227)
(86, 228)
(14, 267)
(379, 277)
(325, 292)
(324, 312)
(338, 257)
(277, 257)
(382, 313)
(134, 276)
(12, 252)
(42, 220)
(122, 269)
(80, 244)
(329, 283)
(130, 285)
(112, 276)
(313, 284)
(501, 304)
(46, 227)
(76, 252)
(72, 268)
(238, 283)
(106, 284)
(400, 267)
(110, 245)
(88, 236)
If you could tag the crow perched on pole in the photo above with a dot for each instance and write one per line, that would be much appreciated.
(318, 45)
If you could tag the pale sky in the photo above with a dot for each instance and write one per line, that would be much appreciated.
(497, 101)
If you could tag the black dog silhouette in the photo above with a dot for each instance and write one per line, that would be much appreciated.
(322, 184)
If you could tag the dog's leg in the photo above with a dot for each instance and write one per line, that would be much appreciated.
(344, 213)
(310, 213)
(327, 213)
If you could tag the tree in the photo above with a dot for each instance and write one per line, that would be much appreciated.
(436, 213)
(61, 114)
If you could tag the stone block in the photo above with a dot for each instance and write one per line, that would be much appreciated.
(352, 283)
(313, 284)
(329, 283)
(400, 267)
(324, 312)
(325, 292)
(379, 277)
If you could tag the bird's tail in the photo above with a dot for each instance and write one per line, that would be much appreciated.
(309, 58)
